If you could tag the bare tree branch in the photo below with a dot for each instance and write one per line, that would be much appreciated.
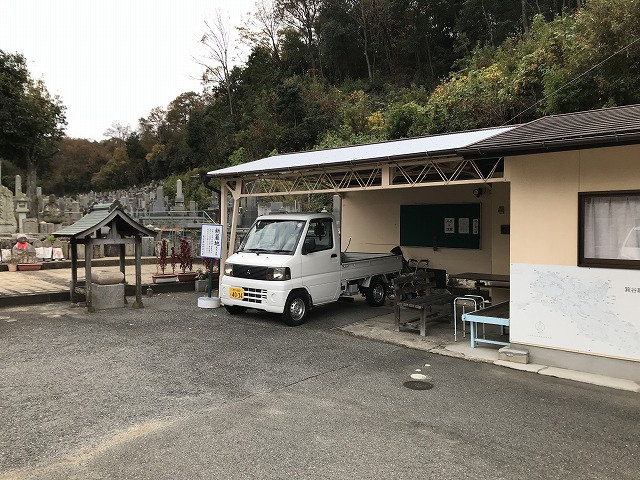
(264, 27)
(215, 60)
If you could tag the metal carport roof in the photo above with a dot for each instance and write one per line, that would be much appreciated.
(420, 147)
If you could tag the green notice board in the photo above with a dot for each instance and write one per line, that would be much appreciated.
(450, 225)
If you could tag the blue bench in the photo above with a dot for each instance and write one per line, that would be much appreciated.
(494, 315)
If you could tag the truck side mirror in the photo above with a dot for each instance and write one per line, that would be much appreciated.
(309, 245)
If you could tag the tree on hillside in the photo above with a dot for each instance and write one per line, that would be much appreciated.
(31, 120)
(78, 160)
(264, 28)
(301, 16)
(215, 59)
(118, 131)
(115, 173)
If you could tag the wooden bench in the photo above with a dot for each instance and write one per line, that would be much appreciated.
(415, 291)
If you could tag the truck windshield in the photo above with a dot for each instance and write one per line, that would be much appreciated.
(273, 236)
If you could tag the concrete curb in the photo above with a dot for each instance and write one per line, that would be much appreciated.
(65, 296)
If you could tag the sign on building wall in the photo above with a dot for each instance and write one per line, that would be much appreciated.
(588, 310)
(211, 241)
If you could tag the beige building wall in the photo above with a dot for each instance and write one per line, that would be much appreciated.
(544, 198)
(544, 233)
(371, 223)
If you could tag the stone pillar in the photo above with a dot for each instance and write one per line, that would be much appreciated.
(21, 204)
(18, 189)
(179, 205)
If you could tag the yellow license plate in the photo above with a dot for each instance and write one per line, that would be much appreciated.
(237, 293)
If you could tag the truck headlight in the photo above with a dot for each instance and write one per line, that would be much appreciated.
(228, 269)
(278, 273)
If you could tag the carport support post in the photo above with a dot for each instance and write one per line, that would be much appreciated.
(234, 223)
(138, 256)
(223, 222)
(228, 246)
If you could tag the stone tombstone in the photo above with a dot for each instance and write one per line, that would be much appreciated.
(8, 223)
(52, 213)
(148, 247)
(46, 227)
(76, 214)
(30, 225)
(159, 204)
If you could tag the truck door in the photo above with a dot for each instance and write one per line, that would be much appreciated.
(321, 265)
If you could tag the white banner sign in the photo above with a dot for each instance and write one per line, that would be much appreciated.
(211, 241)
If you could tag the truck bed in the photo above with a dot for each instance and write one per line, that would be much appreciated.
(356, 265)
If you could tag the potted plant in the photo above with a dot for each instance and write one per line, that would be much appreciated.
(13, 263)
(186, 262)
(202, 275)
(162, 251)
(202, 280)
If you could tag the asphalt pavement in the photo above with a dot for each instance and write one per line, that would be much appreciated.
(52, 283)
(174, 391)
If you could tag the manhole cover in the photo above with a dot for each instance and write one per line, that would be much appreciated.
(417, 385)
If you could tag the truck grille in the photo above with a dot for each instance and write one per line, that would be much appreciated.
(249, 271)
(254, 295)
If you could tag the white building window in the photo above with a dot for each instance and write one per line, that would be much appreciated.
(609, 234)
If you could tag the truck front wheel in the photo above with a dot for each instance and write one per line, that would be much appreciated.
(295, 310)
(376, 293)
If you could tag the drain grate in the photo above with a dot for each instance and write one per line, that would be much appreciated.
(418, 385)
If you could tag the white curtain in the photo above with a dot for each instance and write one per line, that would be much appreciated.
(609, 224)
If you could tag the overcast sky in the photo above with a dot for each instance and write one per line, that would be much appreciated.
(112, 60)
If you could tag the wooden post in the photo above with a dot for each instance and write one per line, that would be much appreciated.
(138, 261)
(74, 270)
(121, 250)
(88, 256)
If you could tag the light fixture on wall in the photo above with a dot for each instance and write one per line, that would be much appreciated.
(477, 192)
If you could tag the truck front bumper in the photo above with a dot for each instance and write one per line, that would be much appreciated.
(258, 294)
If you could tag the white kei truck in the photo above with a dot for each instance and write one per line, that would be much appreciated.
(289, 263)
